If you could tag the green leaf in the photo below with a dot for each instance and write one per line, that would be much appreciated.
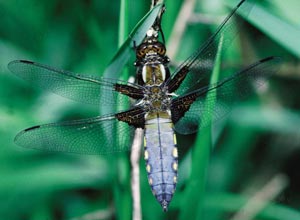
(196, 187)
(282, 32)
(283, 121)
(232, 203)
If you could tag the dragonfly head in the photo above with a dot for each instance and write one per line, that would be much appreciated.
(149, 49)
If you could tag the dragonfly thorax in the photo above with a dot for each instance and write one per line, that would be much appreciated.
(156, 99)
(153, 74)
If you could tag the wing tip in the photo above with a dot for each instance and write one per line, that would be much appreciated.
(31, 128)
(17, 137)
(9, 65)
(275, 58)
(26, 61)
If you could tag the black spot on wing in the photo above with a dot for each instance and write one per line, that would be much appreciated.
(32, 128)
(26, 61)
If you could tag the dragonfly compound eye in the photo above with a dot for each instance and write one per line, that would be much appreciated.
(150, 48)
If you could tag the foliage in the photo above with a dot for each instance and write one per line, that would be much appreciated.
(244, 152)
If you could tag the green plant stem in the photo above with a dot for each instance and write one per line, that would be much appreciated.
(195, 192)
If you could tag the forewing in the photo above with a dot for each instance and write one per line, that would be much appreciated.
(217, 99)
(76, 87)
(200, 64)
(99, 135)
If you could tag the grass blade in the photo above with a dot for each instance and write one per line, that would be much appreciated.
(195, 190)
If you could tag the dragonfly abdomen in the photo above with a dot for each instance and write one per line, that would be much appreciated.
(161, 158)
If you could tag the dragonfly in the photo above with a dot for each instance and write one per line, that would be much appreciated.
(160, 102)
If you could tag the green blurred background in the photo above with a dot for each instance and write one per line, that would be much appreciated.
(253, 153)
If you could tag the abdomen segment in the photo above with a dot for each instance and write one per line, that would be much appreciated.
(161, 158)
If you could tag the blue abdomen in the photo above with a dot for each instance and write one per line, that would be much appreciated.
(161, 158)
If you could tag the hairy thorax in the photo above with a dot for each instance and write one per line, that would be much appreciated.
(156, 99)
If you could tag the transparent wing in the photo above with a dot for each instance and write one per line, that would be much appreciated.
(99, 135)
(200, 64)
(229, 91)
(76, 87)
